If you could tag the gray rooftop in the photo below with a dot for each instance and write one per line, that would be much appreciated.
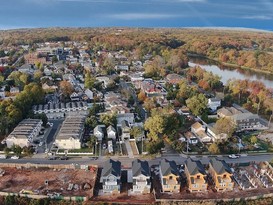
(195, 167)
(140, 167)
(220, 166)
(168, 167)
(111, 167)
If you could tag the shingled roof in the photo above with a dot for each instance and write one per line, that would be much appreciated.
(168, 167)
(140, 167)
(220, 166)
(195, 167)
(111, 167)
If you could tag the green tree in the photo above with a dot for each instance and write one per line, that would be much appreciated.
(155, 126)
(197, 104)
(89, 81)
(91, 122)
(136, 132)
(253, 139)
(91, 142)
(109, 119)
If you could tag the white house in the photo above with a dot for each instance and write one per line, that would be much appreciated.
(98, 132)
(141, 177)
(214, 103)
(111, 132)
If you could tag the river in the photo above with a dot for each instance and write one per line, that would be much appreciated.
(227, 73)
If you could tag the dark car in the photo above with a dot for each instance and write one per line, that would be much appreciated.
(64, 158)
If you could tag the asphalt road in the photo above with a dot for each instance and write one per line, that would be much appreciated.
(127, 162)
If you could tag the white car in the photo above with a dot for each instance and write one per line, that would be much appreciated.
(3, 156)
(233, 156)
(14, 157)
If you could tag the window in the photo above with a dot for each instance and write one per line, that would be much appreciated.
(225, 176)
(171, 177)
(198, 176)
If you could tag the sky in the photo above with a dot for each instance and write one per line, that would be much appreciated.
(257, 14)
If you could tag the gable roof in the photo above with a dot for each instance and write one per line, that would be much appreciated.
(111, 167)
(140, 167)
(168, 167)
(195, 167)
(220, 166)
(110, 128)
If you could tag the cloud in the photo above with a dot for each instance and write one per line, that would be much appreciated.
(135, 16)
(258, 17)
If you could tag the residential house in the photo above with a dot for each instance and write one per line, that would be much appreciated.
(75, 96)
(173, 78)
(111, 132)
(221, 175)
(196, 176)
(243, 119)
(89, 94)
(125, 130)
(24, 132)
(213, 133)
(141, 177)
(200, 132)
(70, 134)
(184, 110)
(249, 121)
(111, 177)
(191, 138)
(214, 103)
(122, 67)
(103, 79)
(14, 90)
(99, 132)
(129, 117)
(169, 176)
(2, 94)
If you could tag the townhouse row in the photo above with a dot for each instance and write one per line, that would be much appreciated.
(168, 175)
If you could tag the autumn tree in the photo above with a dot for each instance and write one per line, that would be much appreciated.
(141, 96)
(66, 88)
(225, 125)
(214, 148)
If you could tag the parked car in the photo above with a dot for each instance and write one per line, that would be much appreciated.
(3, 156)
(14, 157)
(64, 158)
(233, 156)
(41, 144)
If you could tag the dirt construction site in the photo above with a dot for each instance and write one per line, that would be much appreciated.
(48, 181)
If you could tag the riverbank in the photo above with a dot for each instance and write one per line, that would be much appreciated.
(235, 66)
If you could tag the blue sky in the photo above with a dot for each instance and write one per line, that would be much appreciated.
(136, 13)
